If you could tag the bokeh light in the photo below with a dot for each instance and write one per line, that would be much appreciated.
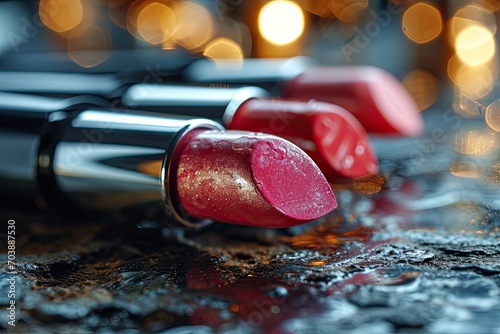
(475, 142)
(471, 15)
(494, 173)
(474, 81)
(423, 87)
(117, 12)
(156, 23)
(239, 33)
(88, 45)
(422, 22)
(348, 10)
(195, 25)
(132, 19)
(475, 45)
(317, 7)
(281, 22)
(474, 67)
(465, 169)
(492, 4)
(223, 49)
(492, 115)
(61, 16)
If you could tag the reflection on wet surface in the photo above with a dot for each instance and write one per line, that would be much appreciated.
(415, 249)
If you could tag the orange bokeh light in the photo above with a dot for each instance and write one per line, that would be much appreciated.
(423, 87)
(422, 22)
(61, 16)
(195, 25)
(348, 10)
(223, 49)
(89, 45)
(156, 23)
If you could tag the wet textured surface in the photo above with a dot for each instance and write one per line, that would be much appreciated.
(416, 250)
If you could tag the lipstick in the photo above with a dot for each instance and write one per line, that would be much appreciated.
(329, 134)
(342, 152)
(251, 177)
(84, 159)
(375, 97)
(61, 85)
(142, 63)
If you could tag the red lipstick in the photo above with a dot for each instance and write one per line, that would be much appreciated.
(251, 179)
(83, 159)
(329, 134)
(375, 97)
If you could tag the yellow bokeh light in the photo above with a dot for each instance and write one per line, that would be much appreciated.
(492, 115)
(475, 45)
(473, 81)
(348, 10)
(223, 49)
(475, 142)
(281, 22)
(61, 16)
(423, 87)
(422, 22)
(156, 23)
(470, 15)
(88, 45)
(195, 25)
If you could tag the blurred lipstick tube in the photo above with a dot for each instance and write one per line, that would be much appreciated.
(83, 159)
(375, 97)
(330, 135)
(62, 85)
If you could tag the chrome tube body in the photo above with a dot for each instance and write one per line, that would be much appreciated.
(266, 73)
(94, 161)
(218, 103)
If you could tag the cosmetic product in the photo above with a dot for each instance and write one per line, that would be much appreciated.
(83, 160)
(330, 135)
(142, 63)
(375, 97)
(61, 85)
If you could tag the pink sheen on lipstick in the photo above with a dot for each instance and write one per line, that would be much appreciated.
(251, 179)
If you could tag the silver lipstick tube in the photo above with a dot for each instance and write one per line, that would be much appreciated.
(85, 160)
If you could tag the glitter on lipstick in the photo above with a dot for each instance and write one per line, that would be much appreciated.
(251, 179)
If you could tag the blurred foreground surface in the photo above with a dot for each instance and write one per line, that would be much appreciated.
(416, 250)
